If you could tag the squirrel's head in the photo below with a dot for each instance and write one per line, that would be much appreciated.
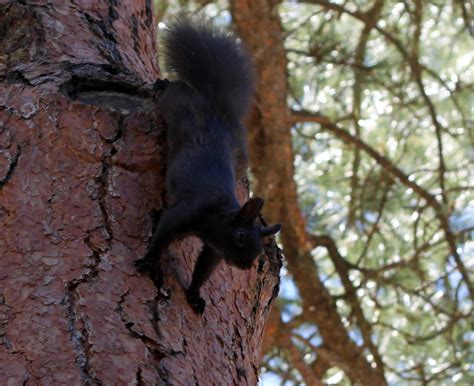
(241, 235)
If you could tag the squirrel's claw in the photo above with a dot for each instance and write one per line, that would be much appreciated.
(196, 302)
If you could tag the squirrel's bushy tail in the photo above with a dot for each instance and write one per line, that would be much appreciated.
(211, 61)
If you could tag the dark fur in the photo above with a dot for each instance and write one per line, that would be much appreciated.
(203, 109)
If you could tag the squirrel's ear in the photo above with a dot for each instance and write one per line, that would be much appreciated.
(271, 230)
(250, 210)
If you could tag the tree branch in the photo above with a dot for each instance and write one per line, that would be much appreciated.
(386, 164)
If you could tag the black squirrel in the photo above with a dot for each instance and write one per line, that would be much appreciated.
(207, 152)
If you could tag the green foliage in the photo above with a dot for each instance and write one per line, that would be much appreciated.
(420, 309)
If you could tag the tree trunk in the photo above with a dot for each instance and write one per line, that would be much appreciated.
(272, 160)
(81, 176)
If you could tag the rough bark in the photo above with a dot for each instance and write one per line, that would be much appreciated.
(81, 176)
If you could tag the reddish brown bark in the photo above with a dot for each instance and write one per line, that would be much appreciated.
(81, 171)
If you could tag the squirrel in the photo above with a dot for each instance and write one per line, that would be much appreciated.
(207, 152)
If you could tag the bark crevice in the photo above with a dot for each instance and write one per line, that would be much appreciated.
(79, 335)
(11, 168)
(154, 347)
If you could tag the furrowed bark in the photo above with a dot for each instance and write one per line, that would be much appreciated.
(82, 166)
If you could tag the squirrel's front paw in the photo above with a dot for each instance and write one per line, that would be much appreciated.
(145, 264)
(196, 302)
(156, 275)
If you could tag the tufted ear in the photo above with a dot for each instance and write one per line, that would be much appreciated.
(250, 210)
(271, 230)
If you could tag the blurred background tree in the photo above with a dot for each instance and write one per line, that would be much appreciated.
(362, 143)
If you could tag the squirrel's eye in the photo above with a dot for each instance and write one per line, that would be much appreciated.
(240, 236)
